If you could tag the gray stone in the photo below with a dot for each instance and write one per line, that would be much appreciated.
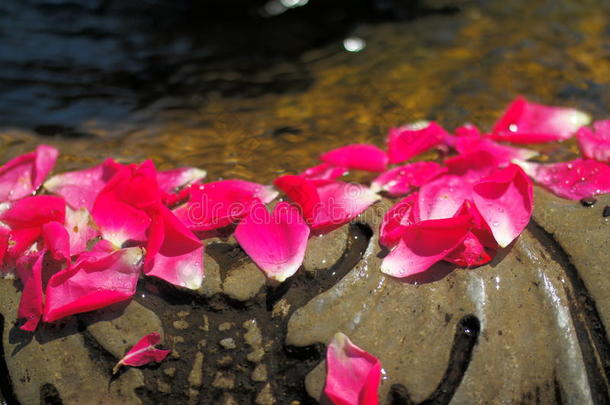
(243, 282)
(212, 282)
(324, 251)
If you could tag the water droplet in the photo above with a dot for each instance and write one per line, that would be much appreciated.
(495, 224)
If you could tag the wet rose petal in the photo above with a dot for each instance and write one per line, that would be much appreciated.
(410, 140)
(573, 180)
(276, 241)
(595, 143)
(357, 156)
(352, 374)
(20, 240)
(505, 201)
(23, 175)
(221, 203)
(404, 179)
(81, 229)
(424, 244)
(4, 238)
(56, 240)
(403, 213)
(135, 185)
(171, 180)
(80, 188)
(443, 197)
(143, 352)
(118, 221)
(467, 130)
(95, 280)
(29, 271)
(34, 211)
(472, 165)
(502, 153)
(527, 122)
(324, 173)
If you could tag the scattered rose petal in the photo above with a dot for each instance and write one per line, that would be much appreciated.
(56, 240)
(443, 197)
(29, 270)
(275, 242)
(324, 173)
(143, 352)
(595, 143)
(357, 156)
(410, 140)
(352, 374)
(34, 211)
(502, 153)
(118, 221)
(467, 130)
(403, 179)
(527, 122)
(573, 180)
(171, 180)
(23, 175)
(95, 280)
(403, 213)
(472, 165)
(81, 229)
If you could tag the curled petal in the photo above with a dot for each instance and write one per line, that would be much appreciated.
(503, 154)
(303, 192)
(470, 253)
(357, 156)
(23, 175)
(402, 214)
(97, 279)
(527, 122)
(275, 242)
(171, 180)
(410, 140)
(118, 221)
(505, 201)
(143, 352)
(29, 270)
(595, 144)
(352, 374)
(443, 197)
(472, 165)
(324, 173)
(573, 180)
(135, 185)
(56, 240)
(402, 180)
(34, 211)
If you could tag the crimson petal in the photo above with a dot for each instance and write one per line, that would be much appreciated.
(29, 270)
(403, 179)
(402, 214)
(410, 140)
(143, 352)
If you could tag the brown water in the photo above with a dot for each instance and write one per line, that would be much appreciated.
(258, 122)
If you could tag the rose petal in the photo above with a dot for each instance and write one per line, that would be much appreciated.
(81, 229)
(470, 253)
(410, 140)
(323, 173)
(29, 270)
(402, 214)
(502, 153)
(80, 188)
(472, 166)
(143, 352)
(424, 244)
(573, 180)
(505, 201)
(118, 221)
(403, 179)
(171, 180)
(357, 156)
(96, 280)
(352, 374)
(275, 242)
(467, 130)
(595, 144)
(34, 211)
(527, 122)
(443, 197)
(56, 240)
(23, 175)
(20, 240)
(135, 185)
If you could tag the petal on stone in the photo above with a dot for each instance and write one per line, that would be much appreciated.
(96, 279)
(402, 214)
(34, 211)
(410, 140)
(324, 173)
(171, 180)
(339, 203)
(443, 197)
(80, 188)
(56, 240)
(118, 221)
(357, 156)
(275, 242)
(573, 180)
(424, 244)
(143, 352)
(81, 229)
(29, 270)
(23, 175)
(403, 179)
(502, 153)
(505, 201)
(527, 122)
(353, 375)
(595, 143)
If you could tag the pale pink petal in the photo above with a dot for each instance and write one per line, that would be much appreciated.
(221, 203)
(443, 197)
(173, 253)
(80, 188)
(23, 175)
(595, 144)
(34, 211)
(143, 352)
(527, 122)
(275, 242)
(118, 221)
(424, 244)
(56, 240)
(357, 156)
(352, 374)
(410, 140)
(467, 130)
(403, 213)
(505, 201)
(94, 281)
(340, 203)
(81, 229)
(573, 180)
(502, 153)
(29, 270)
(324, 173)
(171, 180)
(403, 179)
(472, 166)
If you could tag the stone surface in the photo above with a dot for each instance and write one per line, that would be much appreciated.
(58, 356)
(324, 251)
(212, 283)
(243, 282)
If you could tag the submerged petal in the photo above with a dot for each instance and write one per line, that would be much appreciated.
(595, 144)
(23, 175)
(410, 140)
(403, 179)
(143, 352)
(275, 242)
(352, 374)
(357, 156)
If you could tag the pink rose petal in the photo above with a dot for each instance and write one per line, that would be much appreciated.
(171, 180)
(81, 229)
(467, 130)
(135, 185)
(143, 352)
(80, 188)
(472, 165)
(324, 173)
(573, 180)
(527, 122)
(20, 240)
(444, 196)
(29, 270)
(403, 179)
(118, 221)
(23, 175)
(410, 140)
(352, 374)
(502, 153)
(34, 211)
(505, 201)
(402, 214)
(97, 279)
(595, 144)
(275, 242)
(424, 244)
(56, 240)
(357, 156)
